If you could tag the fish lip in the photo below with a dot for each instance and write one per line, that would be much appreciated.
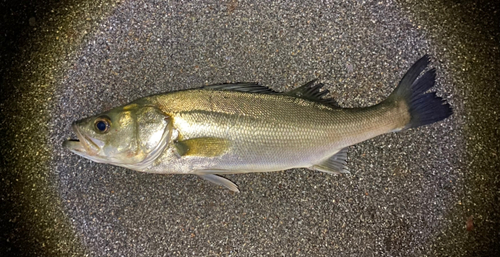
(82, 144)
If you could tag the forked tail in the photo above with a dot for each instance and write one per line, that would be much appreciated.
(424, 108)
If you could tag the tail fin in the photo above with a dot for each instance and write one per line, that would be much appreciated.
(424, 108)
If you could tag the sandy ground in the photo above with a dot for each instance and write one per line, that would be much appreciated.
(431, 191)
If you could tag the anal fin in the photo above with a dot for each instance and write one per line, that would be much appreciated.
(220, 181)
(336, 164)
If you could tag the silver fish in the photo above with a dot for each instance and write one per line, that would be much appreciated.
(245, 127)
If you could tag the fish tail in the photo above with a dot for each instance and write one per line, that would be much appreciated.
(424, 108)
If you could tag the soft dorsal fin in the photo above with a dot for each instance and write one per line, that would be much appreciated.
(336, 164)
(249, 87)
(311, 91)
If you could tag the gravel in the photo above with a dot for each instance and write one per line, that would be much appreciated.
(430, 191)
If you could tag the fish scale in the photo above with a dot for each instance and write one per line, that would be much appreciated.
(271, 132)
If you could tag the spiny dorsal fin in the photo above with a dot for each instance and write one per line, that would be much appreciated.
(249, 87)
(311, 91)
(203, 146)
(336, 164)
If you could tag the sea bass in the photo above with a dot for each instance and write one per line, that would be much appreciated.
(245, 127)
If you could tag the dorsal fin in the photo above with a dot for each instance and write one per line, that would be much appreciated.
(311, 91)
(249, 87)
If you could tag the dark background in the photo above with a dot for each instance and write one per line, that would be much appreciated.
(18, 39)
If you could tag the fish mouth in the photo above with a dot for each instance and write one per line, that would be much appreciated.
(84, 145)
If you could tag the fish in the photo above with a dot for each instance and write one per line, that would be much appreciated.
(237, 128)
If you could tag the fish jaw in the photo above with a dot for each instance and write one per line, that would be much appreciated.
(84, 146)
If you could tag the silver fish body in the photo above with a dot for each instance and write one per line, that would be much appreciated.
(241, 128)
(267, 132)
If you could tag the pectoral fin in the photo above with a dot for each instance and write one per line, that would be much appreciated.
(204, 146)
(221, 181)
(336, 164)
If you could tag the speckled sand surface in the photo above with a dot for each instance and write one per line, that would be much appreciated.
(410, 194)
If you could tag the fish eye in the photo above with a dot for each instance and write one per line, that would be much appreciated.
(102, 124)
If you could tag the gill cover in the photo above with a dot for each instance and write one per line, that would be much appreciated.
(154, 129)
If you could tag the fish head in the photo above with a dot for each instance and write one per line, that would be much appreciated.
(131, 136)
